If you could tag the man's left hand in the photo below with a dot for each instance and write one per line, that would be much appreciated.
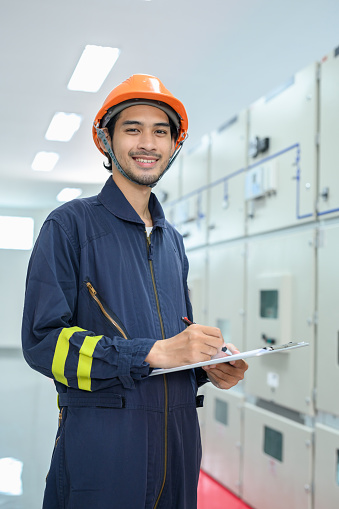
(227, 374)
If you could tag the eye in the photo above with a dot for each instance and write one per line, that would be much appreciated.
(132, 130)
(161, 132)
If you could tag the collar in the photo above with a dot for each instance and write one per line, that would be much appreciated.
(114, 200)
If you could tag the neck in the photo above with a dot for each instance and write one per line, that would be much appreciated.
(138, 196)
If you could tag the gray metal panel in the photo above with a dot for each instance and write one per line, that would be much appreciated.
(327, 362)
(270, 482)
(223, 437)
(197, 284)
(170, 184)
(326, 494)
(202, 417)
(285, 261)
(328, 200)
(227, 180)
(194, 202)
(288, 168)
(226, 291)
(168, 191)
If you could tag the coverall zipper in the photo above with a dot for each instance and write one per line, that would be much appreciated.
(149, 255)
(94, 295)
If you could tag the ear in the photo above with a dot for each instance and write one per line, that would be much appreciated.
(108, 138)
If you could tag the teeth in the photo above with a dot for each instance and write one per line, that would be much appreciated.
(146, 160)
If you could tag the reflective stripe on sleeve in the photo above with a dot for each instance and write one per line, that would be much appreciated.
(85, 362)
(61, 352)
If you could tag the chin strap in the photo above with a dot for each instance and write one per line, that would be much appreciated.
(102, 136)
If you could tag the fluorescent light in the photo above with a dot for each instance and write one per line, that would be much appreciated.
(16, 233)
(45, 161)
(63, 126)
(69, 193)
(10, 476)
(93, 68)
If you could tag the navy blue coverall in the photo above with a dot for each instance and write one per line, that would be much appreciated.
(98, 296)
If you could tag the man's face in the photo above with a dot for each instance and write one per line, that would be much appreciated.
(142, 143)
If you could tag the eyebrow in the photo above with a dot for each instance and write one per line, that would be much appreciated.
(136, 122)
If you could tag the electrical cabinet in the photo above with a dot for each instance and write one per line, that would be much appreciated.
(197, 284)
(168, 191)
(226, 191)
(327, 360)
(201, 411)
(226, 291)
(277, 466)
(193, 205)
(328, 198)
(280, 187)
(281, 308)
(222, 443)
(326, 476)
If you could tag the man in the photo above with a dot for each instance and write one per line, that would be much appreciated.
(106, 290)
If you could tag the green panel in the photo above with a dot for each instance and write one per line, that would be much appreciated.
(269, 304)
(221, 411)
(273, 443)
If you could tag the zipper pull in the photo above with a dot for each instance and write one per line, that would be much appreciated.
(90, 288)
(60, 417)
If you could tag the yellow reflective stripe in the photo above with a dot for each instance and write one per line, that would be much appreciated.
(61, 352)
(85, 362)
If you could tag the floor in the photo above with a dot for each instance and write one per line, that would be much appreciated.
(211, 495)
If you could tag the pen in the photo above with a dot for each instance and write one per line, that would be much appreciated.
(188, 322)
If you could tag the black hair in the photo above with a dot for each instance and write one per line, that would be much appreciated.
(111, 126)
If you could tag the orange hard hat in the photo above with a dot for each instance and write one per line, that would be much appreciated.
(142, 89)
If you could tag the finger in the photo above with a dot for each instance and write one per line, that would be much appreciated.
(234, 367)
(209, 347)
(208, 335)
(228, 372)
(209, 366)
(233, 349)
(211, 331)
(209, 350)
(223, 382)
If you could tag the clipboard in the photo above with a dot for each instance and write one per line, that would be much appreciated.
(266, 350)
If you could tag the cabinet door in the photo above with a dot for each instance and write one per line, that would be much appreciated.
(281, 178)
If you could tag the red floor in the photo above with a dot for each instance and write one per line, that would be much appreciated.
(211, 495)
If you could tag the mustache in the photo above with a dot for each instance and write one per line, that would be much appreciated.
(144, 153)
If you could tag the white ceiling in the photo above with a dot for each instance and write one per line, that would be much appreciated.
(217, 56)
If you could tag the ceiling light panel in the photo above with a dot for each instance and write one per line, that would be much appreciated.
(93, 68)
(63, 126)
(45, 161)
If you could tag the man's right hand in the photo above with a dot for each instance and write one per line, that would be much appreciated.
(197, 343)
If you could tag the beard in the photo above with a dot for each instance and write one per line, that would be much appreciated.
(145, 179)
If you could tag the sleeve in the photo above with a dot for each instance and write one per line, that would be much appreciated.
(53, 343)
(200, 374)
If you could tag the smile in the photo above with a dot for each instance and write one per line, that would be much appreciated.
(145, 161)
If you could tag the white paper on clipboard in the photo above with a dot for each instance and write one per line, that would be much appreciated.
(243, 355)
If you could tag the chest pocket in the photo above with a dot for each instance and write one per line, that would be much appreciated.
(104, 313)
